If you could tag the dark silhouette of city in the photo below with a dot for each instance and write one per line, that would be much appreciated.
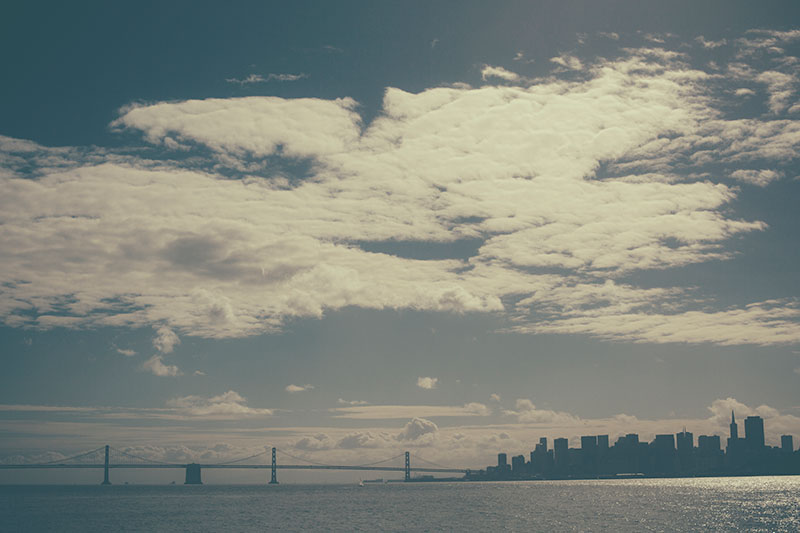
(667, 455)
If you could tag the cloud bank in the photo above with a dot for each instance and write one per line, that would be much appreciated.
(572, 185)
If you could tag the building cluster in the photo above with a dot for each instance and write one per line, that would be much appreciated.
(667, 455)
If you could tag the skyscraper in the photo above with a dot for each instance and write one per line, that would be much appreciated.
(561, 452)
(786, 443)
(734, 428)
(754, 432)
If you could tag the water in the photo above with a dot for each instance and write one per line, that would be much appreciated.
(707, 504)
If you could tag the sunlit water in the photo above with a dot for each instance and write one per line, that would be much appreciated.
(708, 504)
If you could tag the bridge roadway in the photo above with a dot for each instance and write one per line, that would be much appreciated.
(265, 466)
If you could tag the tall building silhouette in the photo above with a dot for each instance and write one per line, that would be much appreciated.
(734, 427)
(754, 432)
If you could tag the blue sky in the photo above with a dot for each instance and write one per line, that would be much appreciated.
(352, 228)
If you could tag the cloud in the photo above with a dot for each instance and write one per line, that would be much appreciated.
(317, 442)
(126, 352)
(744, 91)
(761, 324)
(434, 42)
(199, 373)
(363, 439)
(427, 383)
(494, 397)
(781, 88)
(228, 404)
(417, 429)
(762, 178)
(351, 402)
(614, 36)
(298, 388)
(155, 365)
(710, 44)
(572, 188)
(257, 78)
(165, 340)
(489, 71)
(384, 412)
(527, 412)
(567, 61)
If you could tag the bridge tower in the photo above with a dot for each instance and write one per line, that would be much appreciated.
(193, 474)
(105, 470)
(408, 467)
(274, 479)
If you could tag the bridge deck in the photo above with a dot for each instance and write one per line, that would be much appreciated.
(238, 466)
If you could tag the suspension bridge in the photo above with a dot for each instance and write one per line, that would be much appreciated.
(108, 457)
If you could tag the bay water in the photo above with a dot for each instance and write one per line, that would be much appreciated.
(694, 504)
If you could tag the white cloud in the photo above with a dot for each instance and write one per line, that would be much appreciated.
(614, 36)
(427, 383)
(199, 373)
(252, 78)
(165, 340)
(710, 44)
(418, 428)
(155, 365)
(181, 245)
(258, 78)
(744, 91)
(781, 88)
(298, 388)
(762, 323)
(494, 397)
(762, 178)
(301, 127)
(340, 401)
(228, 404)
(364, 439)
(317, 442)
(567, 61)
(489, 71)
(527, 412)
(126, 352)
(385, 412)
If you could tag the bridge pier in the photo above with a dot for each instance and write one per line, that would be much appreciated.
(193, 474)
(105, 470)
(408, 467)
(274, 478)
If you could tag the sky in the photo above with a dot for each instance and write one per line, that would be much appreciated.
(349, 229)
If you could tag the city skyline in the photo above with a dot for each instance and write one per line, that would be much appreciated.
(667, 455)
(348, 228)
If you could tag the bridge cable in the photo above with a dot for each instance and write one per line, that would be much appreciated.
(243, 458)
(384, 461)
(132, 456)
(418, 458)
(303, 459)
(60, 461)
(325, 464)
